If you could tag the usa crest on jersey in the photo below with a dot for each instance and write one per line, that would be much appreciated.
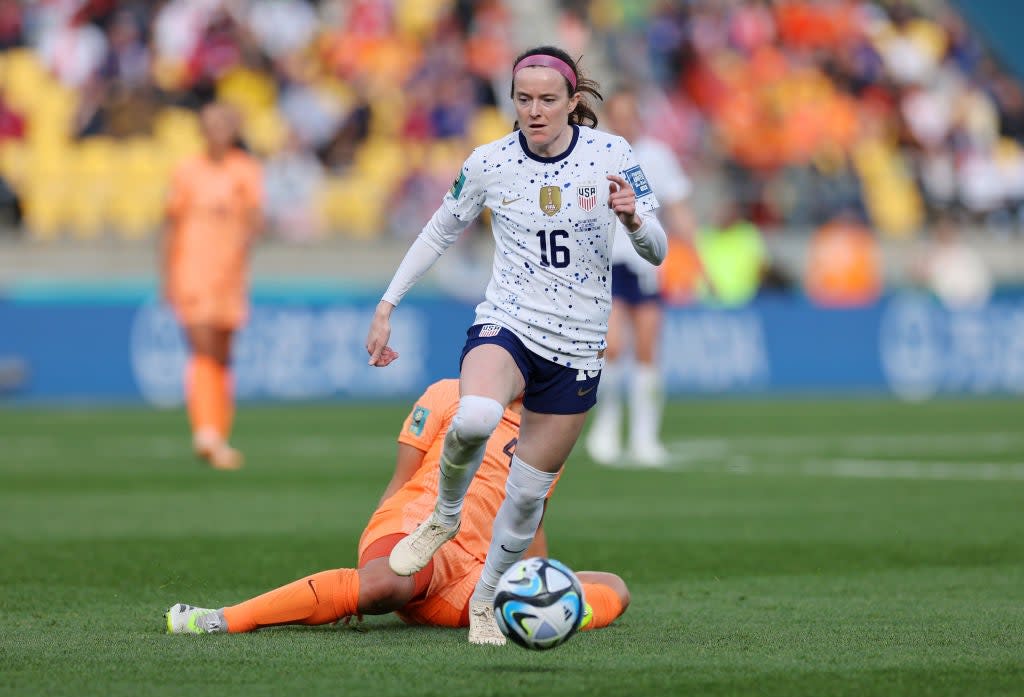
(586, 197)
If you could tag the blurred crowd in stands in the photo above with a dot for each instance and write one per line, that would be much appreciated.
(888, 113)
(814, 107)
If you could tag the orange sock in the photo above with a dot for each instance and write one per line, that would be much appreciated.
(226, 401)
(605, 603)
(318, 599)
(203, 379)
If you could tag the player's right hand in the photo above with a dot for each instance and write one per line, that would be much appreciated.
(377, 341)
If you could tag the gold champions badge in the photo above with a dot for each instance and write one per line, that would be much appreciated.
(550, 199)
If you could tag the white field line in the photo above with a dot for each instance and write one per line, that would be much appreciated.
(760, 456)
(31, 449)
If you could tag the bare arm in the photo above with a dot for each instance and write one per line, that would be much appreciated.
(407, 462)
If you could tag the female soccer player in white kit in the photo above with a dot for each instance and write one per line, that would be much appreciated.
(540, 331)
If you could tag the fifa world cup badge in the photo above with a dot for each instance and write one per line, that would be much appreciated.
(550, 199)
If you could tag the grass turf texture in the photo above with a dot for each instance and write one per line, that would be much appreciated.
(816, 548)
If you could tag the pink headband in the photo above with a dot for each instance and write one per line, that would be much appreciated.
(545, 61)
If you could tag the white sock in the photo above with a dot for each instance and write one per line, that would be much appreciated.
(463, 452)
(607, 418)
(515, 525)
(645, 405)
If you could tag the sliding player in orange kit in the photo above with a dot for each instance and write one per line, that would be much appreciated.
(438, 594)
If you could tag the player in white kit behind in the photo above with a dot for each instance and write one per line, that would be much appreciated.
(636, 315)
(556, 188)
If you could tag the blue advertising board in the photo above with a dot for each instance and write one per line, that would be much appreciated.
(116, 349)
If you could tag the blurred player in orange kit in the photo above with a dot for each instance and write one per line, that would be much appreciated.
(439, 593)
(214, 212)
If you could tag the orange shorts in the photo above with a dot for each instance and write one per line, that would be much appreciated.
(452, 576)
(226, 309)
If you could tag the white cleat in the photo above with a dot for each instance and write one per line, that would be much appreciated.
(603, 446)
(483, 628)
(186, 619)
(649, 455)
(414, 552)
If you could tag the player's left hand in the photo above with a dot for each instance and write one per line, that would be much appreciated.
(622, 201)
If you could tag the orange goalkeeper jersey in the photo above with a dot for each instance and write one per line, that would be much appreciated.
(424, 429)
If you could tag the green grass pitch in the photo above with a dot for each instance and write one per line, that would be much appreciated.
(793, 548)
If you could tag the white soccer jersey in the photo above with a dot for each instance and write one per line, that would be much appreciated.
(670, 182)
(551, 278)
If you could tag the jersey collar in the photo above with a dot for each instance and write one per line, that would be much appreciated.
(556, 158)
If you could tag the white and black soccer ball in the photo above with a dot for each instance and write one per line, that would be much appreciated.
(539, 603)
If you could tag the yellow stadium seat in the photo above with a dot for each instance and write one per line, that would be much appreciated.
(24, 78)
(488, 124)
(90, 168)
(419, 17)
(45, 203)
(445, 157)
(265, 131)
(248, 90)
(352, 209)
(890, 194)
(380, 163)
(387, 113)
(177, 131)
(137, 202)
(53, 114)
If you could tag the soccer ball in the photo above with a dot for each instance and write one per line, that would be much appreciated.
(539, 603)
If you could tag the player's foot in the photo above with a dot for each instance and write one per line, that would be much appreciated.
(225, 457)
(603, 446)
(483, 628)
(210, 446)
(205, 441)
(185, 619)
(415, 551)
(649, 455)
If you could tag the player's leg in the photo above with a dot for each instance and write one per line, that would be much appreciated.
(645, 392)
(545, 442)
(489, 380)
(604, 440)
(201, 383)
(210, 401)
(606, 595)
(319, 598)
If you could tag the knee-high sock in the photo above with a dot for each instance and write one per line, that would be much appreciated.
(604, 602)
(515, 524)
(645, 403)
(463, 451)
(318, 599)
(608, 412)
(227, 401)
(203, 382)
